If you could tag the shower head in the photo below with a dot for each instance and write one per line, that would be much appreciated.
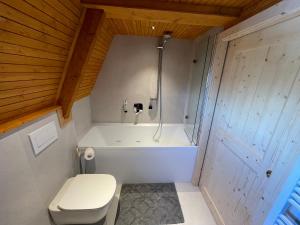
(164, 39)
(167, 36)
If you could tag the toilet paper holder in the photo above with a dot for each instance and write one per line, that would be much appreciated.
(85, 155)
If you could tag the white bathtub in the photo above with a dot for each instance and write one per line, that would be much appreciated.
(130, 154)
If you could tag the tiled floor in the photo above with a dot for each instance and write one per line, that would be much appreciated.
(194, 208)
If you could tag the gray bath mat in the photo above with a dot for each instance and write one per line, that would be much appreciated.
(149, 204)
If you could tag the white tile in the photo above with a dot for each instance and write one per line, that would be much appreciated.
(194, 208)
(135, 78)
(113, 209)
(82, 116)
(28, 182)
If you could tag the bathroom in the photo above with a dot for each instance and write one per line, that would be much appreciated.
(137, 113)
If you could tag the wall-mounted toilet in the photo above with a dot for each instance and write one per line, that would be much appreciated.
(83, 199)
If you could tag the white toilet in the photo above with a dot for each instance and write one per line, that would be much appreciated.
(83, 199)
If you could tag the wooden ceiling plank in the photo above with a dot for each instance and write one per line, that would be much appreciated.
(62, 9)
(166, 6)
(31, 52)
(8, 85)
(18, 16)
(27, 60)
(71, 7)
(58, 16)
(38, 105)
(251, 9)
(87, 34)
(27, 76)
(27, 103)
(26, 90)
(255, 7)
(22, 97)
(16, 39)
(14, 68)
(23, 31)
(5, 127)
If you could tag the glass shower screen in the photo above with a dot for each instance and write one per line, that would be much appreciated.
(197, 87)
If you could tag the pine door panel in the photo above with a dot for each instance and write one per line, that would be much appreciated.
(256, 126)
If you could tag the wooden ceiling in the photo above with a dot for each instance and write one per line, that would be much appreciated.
(144, 27)
(156, 29)
(226, 3)
(35, 38)
(38, 39)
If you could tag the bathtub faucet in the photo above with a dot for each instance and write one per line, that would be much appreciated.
(138, 108)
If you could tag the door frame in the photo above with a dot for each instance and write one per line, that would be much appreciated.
(280, 12)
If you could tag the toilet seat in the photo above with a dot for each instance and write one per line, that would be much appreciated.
(88, 191)
(83, 199)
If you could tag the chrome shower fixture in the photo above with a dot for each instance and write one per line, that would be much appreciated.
(164, 39)
(162, 43)
(138, 108)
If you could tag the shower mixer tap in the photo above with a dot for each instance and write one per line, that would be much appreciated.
(138, 108)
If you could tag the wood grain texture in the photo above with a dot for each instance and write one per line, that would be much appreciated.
(167, 6)
(92, 21)
(227, 3)
(8, 126)
(144, 27)
(156, 15)
(95, 60)
(280, 12)
(256, 124)
(35, 37)
(255, 7)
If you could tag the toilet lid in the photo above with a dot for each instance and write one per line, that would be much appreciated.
(88, 191)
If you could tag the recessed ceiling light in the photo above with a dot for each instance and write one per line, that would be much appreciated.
(153, 27)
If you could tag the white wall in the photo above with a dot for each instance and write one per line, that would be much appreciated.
(82, 116)
(28, 182)
(130, 71)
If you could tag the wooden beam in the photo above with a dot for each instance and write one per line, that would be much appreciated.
(70, 53)
(166, 6)
(62, 120)
(255, 7)
(92, 20)
(167, 12)
(278, 13)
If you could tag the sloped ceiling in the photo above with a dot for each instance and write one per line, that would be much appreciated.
(228, 3)
(115, 26)
(36, 39)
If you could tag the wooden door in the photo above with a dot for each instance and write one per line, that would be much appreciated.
(255, 135)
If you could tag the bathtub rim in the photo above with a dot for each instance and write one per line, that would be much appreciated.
(134, 148)
(94, 124)
(181, 125)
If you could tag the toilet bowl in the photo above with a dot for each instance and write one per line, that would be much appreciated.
(83, 199)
